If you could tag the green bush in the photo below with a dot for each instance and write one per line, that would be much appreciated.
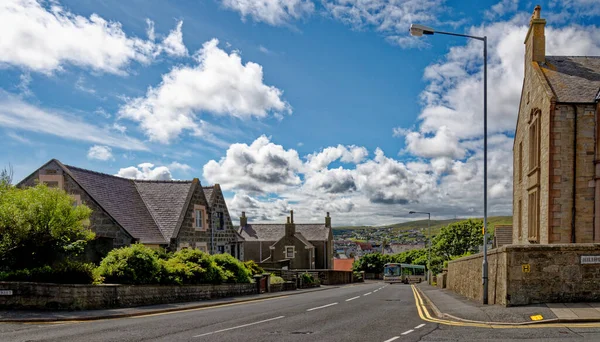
(253, 267)
(307, 278)
(276, 279)
(191, 266)
(68, 272)
(136, 264)
(234, 269)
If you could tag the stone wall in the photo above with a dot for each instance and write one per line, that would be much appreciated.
(529, 274)
(188, 235)
(226, 236)
(36, 296)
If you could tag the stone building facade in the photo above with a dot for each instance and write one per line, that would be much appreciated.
(556, 146)
(305, 246)
(168, 214)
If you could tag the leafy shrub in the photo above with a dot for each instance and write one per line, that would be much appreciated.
(136, 264)
(234, 269)
(253, 267)
(276, 279)
(307, 278)
(191, 266)
(68, 272)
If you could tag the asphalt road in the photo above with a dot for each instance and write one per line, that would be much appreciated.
(366, 312)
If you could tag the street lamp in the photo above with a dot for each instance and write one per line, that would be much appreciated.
(428, 238)
(418, 31)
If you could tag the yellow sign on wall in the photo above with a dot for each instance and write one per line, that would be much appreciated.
(526, 268)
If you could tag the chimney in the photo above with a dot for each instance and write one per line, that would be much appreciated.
(327, 221)
(290, 227)
(535, 42)
(243, 220)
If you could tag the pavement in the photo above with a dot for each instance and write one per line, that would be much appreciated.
(373, 311)
(449, 305)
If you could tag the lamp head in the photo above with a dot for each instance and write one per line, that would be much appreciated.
(417, 30)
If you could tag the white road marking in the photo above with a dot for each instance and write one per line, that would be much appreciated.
(419, 326)
(375, 290)
(392, 339)
(321, 307)
(407, 332)
(368, 293)
(241, 326)
(353, 298)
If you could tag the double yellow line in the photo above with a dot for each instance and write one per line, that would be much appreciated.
(426, 316)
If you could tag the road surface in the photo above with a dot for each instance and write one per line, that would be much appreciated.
(366, 312)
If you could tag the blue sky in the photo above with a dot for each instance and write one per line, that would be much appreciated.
(312, 106)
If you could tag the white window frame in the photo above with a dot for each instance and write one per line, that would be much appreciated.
(219, 247)
(287, 254)
(204, 223)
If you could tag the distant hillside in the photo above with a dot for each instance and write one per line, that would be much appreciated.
(435, 224)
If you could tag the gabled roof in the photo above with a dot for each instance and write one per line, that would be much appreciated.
(150, 211)
(274, 231)
(208, 193)
(573, 79)
(300, 237)
(165, 201)
(120, 198)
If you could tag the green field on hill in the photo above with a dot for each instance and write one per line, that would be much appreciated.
(436, 225)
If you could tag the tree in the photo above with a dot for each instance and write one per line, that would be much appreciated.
(459, 238)
(40, 226)
(6, 177)
(371, 263)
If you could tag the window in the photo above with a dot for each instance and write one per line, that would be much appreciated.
(220, 221)
(289, 252)
(202, 246)
(200, 222)
(533, 217)
(534, 141)
(520, 161)
(520, 218)
(51, 184)
(76, 200)
(220, 249)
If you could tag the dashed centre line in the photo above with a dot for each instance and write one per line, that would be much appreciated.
(420, 326)
(392, 339)
(321, 307)
(353, 298)
(240, 326)
(407, 332)
(368, 293)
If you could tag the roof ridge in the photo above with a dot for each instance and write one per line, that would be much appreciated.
(150, 212)
(573, 56)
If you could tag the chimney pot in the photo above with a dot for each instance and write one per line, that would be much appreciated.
(288, 219)
(292, 215)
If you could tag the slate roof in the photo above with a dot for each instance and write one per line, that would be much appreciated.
(147, 210)
(573, 79)
(208, 191)
(165, 201)
(275, 231)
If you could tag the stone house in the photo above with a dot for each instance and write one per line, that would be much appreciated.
(555, 153)
(306, 246)
(169, 214)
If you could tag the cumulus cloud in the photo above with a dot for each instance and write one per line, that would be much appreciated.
(272, 12)
(220, 84)
(99, 152)
(173, 43)
(346, 154)
(145, 171)
(18, 114)
(180, 166)
(443, 144)
(44, 37)
(333, 181)
(261, 167)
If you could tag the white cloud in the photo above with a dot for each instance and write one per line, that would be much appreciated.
(23, 86)
(19, 138)
(261, 167)
(80, 85)
(45, 37)
(15, 113)
(392, 18)
(347, 154)
(443, 144)
(264, 50)
(219, 84)
(173, 43)
(99, 152)
(145, 171)
(272, 12)
(501, 8)
(179, 166)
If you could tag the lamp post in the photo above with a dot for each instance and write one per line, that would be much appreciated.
(428, 238)
(418, 31)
